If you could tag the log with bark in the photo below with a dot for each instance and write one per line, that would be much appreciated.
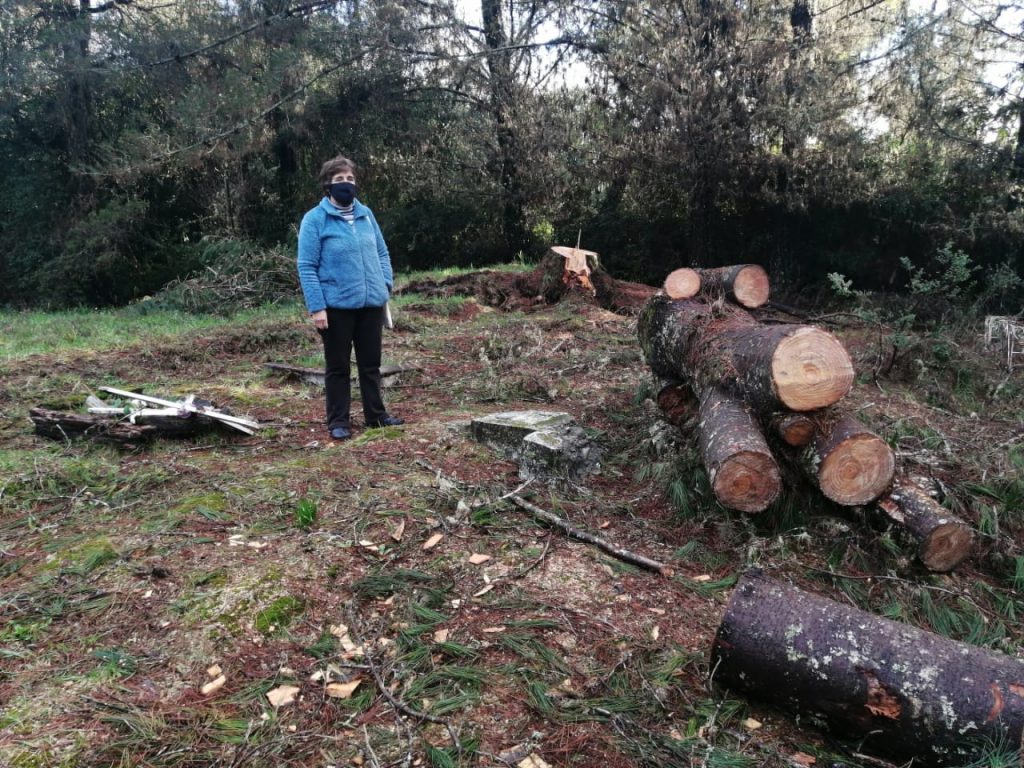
(851, 464)
(794, 429)
(743, 284)
(901, 691)
(943, 540)
(59, 425)
(773, 368)
(741, 469)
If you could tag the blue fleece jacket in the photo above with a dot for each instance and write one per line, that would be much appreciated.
(343, 265)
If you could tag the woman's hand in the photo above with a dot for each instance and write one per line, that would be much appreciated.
(319, 320)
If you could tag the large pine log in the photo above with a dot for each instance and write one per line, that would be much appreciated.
(900, 691)
(741, 469)
(943, 540)
(773, 368)
(744, 284)
(851, 464)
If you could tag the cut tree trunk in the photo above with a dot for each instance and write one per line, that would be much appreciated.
(682, 283)
(900, 691)
(943, 540)
(64, 426)
(741, 469)
(852, 465)
(744, 284)
(774, 368)
(676, 401)
(795, 429)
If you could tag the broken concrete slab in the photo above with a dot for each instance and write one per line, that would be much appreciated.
(565, 452)
(547, 445)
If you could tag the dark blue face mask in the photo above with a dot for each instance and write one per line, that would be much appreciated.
(343, 192)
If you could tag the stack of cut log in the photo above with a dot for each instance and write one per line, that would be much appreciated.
(743, 380)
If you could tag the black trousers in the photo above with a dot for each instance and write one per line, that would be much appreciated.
(362, 329)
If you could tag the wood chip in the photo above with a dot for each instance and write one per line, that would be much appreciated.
(483, 591)
(399, 530)
(213, 686)
(493, 630)
(533, 761)
(338, 630)
(214, 671)
(441, 636)
(659, 611)
(655, 632)
(282, 695)
(433, 541)
(702, 578)
(604, 524)
(478, 559)
(751, 724)
(802, 758)
(342, 690)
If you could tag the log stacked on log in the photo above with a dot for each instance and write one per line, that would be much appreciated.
(744, 284)
(899, 690)
(744, 376)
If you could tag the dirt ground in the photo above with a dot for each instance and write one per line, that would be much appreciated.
(286, 559)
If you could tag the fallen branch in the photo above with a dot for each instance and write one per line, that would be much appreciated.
(580, 535)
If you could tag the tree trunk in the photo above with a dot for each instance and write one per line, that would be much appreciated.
(774, 368)
(851, 463)
(899, 690)
(65, 426)
(676, 401)
(742, 471)
(795, 429)
(944, 541)
(743, 284)
(682, 283)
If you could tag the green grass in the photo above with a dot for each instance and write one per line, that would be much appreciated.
(30, 333)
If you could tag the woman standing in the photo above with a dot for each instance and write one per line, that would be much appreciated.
(346, 277)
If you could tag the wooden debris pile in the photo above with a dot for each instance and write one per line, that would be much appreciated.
(761, 392)
(139, 418)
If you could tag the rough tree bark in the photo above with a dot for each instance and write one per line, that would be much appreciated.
(901, 691)
(741, 468)
(852, 465)
(944, 541)
(773, 368)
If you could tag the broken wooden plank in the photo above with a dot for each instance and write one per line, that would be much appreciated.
(242, 425)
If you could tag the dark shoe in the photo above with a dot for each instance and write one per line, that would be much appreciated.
(387, 421)
(340, 433)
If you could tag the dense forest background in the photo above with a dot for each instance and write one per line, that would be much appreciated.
(880, 140)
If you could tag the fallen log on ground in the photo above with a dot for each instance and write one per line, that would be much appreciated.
(741, 469)
(900, 691)
(943, 540)
(682, 283)
(792, 367)
(60, 425)
(851, 464)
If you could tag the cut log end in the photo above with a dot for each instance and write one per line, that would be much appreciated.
(795, 429)
(682, 283)
(811, 369)
(946, 547)
(747, 482)
(858, 471)
(750, 287)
